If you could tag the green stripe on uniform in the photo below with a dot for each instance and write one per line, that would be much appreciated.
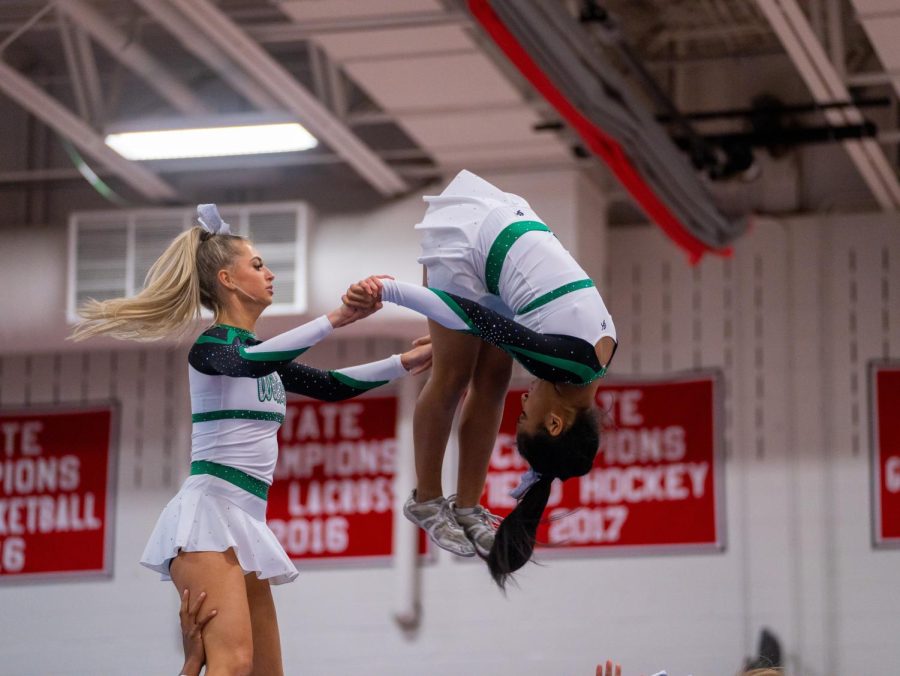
(585, 373)
(232, 333)
(212, 339)
(556, 293)
(357, 384)
(286, 355)
(237, 414)
(232, 475)
(453, 305)
(501, 246)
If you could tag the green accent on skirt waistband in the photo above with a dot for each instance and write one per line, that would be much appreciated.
(556, 293)
(232, 475)
(237, 414)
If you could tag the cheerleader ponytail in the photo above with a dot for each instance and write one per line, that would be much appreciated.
(569, 454)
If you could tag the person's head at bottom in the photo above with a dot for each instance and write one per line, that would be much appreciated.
(559, 438)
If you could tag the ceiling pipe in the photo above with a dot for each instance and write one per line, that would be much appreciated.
(135, 57)
(295, 98)
(825, 84)
(171, 19)
(55, 115)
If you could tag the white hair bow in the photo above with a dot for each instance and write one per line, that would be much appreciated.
(208, 215)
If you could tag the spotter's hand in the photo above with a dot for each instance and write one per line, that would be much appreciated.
(418, 359)
(192, 625)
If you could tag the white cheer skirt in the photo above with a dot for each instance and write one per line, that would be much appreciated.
(209, 514)
(454, 247)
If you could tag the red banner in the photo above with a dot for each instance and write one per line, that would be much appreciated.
(655, 481)
(55, 488)
(333, 494)
(886, 452)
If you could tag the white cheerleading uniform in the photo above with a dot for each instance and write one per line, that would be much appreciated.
(490, 247)
(494, 269)
(238, 402)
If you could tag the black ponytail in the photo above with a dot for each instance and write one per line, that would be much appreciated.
(566, 455)
(515, 538)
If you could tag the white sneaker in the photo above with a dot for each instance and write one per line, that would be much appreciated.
(436, 518)
(479, 526)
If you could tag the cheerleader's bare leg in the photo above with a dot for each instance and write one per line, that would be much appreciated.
(480, 421)
(266, 642)
(228, 640)
(453, 361)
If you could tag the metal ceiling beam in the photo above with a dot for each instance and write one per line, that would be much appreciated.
(286, 31)
(53, 114)
(292, 32)
(134, 57)
(836, 44)
(880, 26)
(79, 89)
(825, 84)
(18, 31)
(885, 77)
(91, 76)
(82, 69)
(415, 156)
(172, 20)
(295, 98)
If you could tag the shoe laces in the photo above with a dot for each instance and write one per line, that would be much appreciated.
(484, 515)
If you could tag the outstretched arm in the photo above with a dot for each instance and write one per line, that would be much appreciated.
(346, 383)
(221, 350)
(553, 357)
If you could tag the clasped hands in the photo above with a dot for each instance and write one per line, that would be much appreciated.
(365, 294)
(363, 299)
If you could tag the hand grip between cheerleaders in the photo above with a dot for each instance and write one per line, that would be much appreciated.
(365, 293)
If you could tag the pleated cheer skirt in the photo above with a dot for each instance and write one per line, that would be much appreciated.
(209, 514)
(454, 248)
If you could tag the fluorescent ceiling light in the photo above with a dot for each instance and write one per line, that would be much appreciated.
(212, 141)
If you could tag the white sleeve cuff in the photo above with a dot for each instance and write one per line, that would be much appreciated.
(424, 301)
(376, 371)
(297, 339)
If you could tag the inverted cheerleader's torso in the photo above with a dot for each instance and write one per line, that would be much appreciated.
(491, 247)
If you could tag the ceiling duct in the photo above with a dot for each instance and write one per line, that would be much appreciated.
(549, 48)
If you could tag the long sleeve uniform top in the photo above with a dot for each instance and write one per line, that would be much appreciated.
(238, 386)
